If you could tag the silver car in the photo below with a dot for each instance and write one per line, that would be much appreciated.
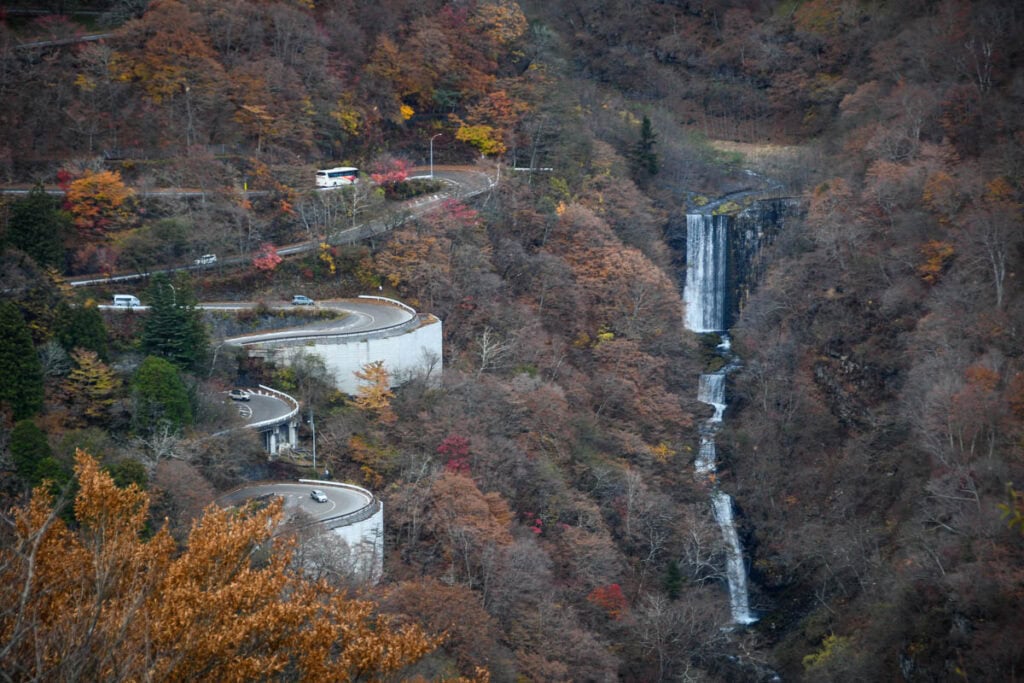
(318, 495)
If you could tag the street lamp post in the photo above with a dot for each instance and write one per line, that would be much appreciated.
(312, 425)
(213, 363)
(432, 153)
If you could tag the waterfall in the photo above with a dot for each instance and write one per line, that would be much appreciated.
(706, 296)
(711, 390)
(736, 571)
(706, 456)
(706, 284)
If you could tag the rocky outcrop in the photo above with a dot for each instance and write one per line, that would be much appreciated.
(753, 229)
(849, 386)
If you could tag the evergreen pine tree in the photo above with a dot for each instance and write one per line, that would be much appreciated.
(673, 581)
(38, 227)
(29, 447)
(82, 327)
(160, 396)
(644, 157)
(128, 472)
(21, 374)
(33, 458)
(174, 328)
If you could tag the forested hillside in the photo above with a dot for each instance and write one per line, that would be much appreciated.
(544, 521)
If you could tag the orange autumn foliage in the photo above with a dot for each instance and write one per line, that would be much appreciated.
(98, 201)
(609, 598)
(101, 601)
(937, 257)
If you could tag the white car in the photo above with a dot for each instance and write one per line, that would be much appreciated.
(206, 260)
(300, 300)
(318, 495)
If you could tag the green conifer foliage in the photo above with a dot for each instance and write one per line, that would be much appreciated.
(673, 581)
(28, 449)
(128, 472)
(38, 227)
(174, 329)
(644, 156)
(82, 327)
(21, 388)
(161, 398)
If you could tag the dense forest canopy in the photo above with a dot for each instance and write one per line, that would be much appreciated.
(543, 518)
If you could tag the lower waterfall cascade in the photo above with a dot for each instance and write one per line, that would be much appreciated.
(736, 571)
(711, 390)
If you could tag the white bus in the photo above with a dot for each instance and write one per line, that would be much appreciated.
(337, 177)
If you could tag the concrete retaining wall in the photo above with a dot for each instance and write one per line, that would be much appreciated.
(362, 531)
(405, 354)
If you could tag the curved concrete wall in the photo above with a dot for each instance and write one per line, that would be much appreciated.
(403, 354)
(365, 540)
(362, 531)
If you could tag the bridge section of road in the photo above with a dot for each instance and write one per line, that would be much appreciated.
(273, 413)
(374, 328)
(343, 500)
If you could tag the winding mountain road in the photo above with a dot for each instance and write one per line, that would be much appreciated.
(363, 315)
(462, 182)
(340, 500)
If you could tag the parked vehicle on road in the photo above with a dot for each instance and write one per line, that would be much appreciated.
(318, 495)
(299, 300)
(126, 301)
(238, 395)
(206, 260)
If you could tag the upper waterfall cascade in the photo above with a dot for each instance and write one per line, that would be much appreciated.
(705, 292)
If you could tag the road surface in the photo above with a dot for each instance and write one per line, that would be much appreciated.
(362, 316)
(260, 408)
(340, 501)
(462, 182)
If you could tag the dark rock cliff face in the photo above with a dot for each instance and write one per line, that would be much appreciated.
(752, 230)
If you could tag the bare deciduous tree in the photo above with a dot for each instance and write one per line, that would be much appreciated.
(491, 349)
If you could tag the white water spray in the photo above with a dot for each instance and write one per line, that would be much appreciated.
(736, 571)
(706, 262)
